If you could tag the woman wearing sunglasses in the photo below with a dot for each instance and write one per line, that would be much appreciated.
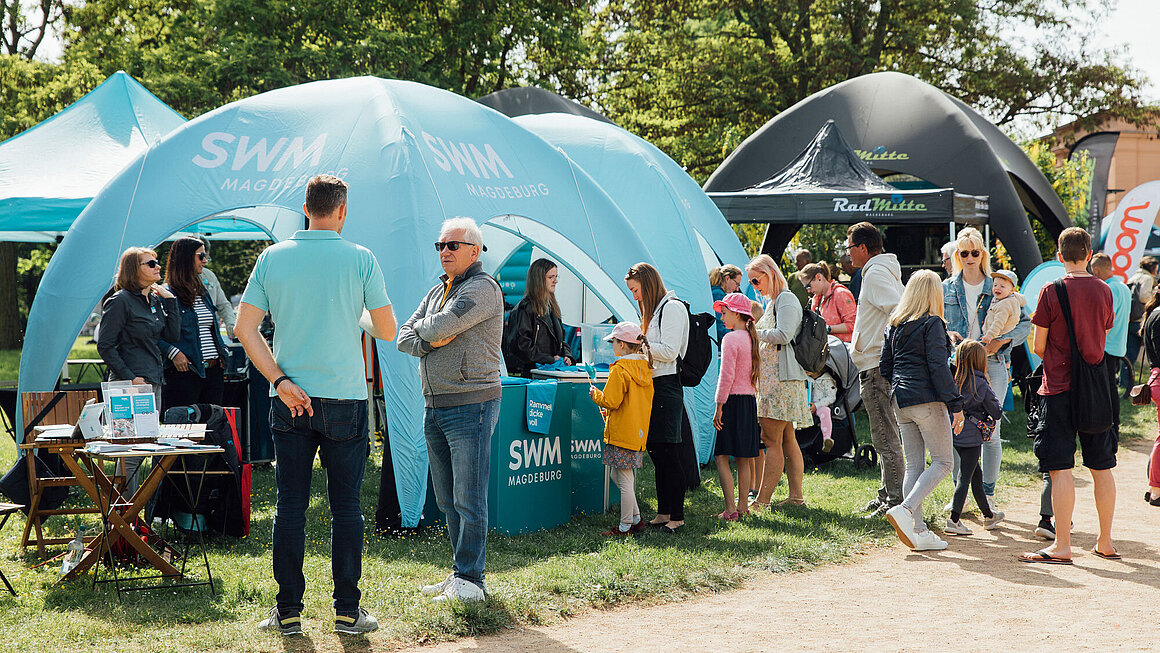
(193, 369)
(781, 390)
(966, 297)
(133, 319)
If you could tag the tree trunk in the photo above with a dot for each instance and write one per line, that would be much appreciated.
(10, 335)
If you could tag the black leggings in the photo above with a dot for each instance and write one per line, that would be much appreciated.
(670, 479)
(970, 475)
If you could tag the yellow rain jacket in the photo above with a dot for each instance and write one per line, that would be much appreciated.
(628, 396)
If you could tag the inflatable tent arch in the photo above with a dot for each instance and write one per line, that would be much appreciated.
(413, 156)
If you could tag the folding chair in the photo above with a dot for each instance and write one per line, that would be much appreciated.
(58, 407)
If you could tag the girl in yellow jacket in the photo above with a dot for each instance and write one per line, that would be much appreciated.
(627, 396)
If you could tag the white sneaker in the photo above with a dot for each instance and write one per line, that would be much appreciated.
(903, 522)
(950, 506)
(437, 588)
(461, 590)
(956, 528)
(991, 523)
(928, 541)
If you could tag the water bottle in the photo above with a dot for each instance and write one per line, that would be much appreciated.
(76, 550)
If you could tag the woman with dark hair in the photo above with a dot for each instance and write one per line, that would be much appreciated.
(134, 317)
(665, 322)
(535, 332)
(724, 280)
(193, 372)
(1152, 352)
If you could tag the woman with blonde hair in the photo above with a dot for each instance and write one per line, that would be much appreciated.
(922, 390)
(665, 323)
(781, 392)
(967, 295)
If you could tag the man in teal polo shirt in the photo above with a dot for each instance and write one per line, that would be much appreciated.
(321, 292)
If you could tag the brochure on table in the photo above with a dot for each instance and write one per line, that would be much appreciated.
(132, 410)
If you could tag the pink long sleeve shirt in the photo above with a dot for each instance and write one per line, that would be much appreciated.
(736, 366)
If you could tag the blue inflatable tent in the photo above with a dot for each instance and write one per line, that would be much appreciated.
(413, 156)
(91, 139)
(678, 223)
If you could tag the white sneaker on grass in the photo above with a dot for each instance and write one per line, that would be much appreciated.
(956, 528)
(903, 522)
(928, 541)
(361, 623)
(437, 588)
(461, 590)
(992, 522)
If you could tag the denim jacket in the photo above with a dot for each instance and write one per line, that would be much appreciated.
(189, 343)
(955, 312)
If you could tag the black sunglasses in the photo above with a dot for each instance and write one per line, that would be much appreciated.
(151, 263)
(973, 253)
(202, 256)
(452, 245)
(754, 282)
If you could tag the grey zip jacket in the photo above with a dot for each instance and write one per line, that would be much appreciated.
(467, 369)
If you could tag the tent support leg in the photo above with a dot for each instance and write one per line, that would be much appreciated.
(953, 234)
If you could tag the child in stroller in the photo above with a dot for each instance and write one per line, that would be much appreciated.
(846, 399)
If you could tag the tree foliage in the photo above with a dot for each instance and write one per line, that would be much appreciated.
(695, 76)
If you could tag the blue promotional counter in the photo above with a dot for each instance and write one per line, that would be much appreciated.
(531, 483)
(592, 493)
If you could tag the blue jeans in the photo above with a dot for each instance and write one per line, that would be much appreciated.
(459, 449)
(338, 433)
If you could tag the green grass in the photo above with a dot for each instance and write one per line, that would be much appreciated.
(533, 579)
(10, 362)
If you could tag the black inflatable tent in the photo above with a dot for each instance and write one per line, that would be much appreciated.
(829, 184)
(530, 100)
(898, 124)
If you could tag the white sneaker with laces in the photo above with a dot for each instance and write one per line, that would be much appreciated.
(437, 588)
(461, 590)
(903, 522)
(956, 528)
(363, 622)
(991, 523)
(928, 541)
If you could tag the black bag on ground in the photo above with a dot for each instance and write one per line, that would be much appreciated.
(1093, 398)
(692, 366)
(14, 485)
(220, 501)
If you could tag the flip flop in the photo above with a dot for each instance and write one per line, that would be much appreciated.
(1045, 558)
(1107, 556)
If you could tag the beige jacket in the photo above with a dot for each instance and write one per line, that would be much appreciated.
(1003, 315)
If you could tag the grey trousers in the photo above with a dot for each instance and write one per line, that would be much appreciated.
(883, 435)
(925, 427)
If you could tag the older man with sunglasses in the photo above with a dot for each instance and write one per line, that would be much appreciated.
(456, 333)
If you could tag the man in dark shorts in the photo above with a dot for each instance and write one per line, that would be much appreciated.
(1092, 314)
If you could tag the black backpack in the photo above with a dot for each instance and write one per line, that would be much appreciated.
(1136, 312)
(692, 366)
(811, 346)
(1093, 397)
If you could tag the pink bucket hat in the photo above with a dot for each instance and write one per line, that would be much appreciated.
(735, 302)
(626, 331)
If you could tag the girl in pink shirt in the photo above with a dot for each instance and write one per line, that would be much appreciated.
(738, 433)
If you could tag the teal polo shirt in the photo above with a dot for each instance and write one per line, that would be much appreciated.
(315, 286)
(1117, 342)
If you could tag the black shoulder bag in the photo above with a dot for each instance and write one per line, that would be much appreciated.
(1092, 397)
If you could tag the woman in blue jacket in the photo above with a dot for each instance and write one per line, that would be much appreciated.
(966, 298)
(193, 369)
(922, 390)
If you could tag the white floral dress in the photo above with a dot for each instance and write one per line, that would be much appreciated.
(783, 400)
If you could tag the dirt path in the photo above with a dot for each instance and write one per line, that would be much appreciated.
(975, 596)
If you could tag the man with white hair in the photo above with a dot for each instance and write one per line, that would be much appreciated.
(948, 258)
(456, 333)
